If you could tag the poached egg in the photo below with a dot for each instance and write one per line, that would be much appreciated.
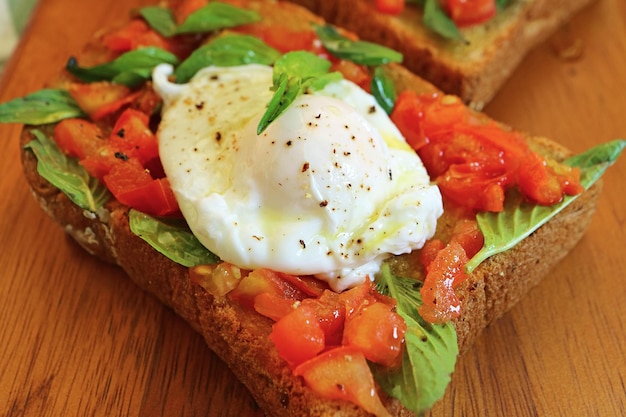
(329, 189)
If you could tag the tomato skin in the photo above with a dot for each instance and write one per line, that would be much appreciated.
(443, 275)
(343, 374)
(474, 160)
(298, 336)
(78, 138)
(470, 12)
(131, 184)
(378, 332)
(393, 7)
(406, 115)
(132, 136)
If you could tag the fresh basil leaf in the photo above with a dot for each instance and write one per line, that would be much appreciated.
(215, 16)
(138, 62)
(171, 238)
(295, 73)
(42, 107)
(501, 4)
(430, 350)
(160, 19)
(436, 19)
(359, 52)
(225, 51)
(383, 90)
(66, 174)
(517, 221)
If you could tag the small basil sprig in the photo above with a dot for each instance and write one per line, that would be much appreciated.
(295, 73)
(42, 107)
(211, 17)
(430, 350)
(436, 19)
(225, 51)
(171, 238)
(130, 68)
(505, 229)
(383, 90)
(66, 174)
(359, 52)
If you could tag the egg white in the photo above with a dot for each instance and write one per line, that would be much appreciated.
(329, 189)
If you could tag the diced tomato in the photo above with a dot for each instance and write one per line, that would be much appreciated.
(264, 280)
(393, 7)
(100, 98)
(541, 184)
(298, 336)
(467, 233)
(217, 279)
(406, 115)
(132, 136)
(470, 12)
(430, 250)
(283, 38)
(133, 186)
(472, 159)
(78, 138)
(134, 35)
(444, 274)
(358, 74)
(273, 306)
(343, 374)
(378, 332)
(184, 8)
(331, 315)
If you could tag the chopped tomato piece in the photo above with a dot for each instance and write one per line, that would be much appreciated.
(101, 98)
(184, 8)
(134, 35)
(471, 12)
(353, 72)
(133, 186)
(406, 115)
(298, 336)
(467, 233)
(217, 279)
(272, 305)
(343, 374)
(283, 38)
(78, 138)
(377, 331)
(473, 159)
(393, 7)
(443, 274)
(132, 136)
(264, 280)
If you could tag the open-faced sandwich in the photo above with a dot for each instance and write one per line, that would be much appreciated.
(465, 47)
(336, 228)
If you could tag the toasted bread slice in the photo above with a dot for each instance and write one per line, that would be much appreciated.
(239, 336)
(473, 70)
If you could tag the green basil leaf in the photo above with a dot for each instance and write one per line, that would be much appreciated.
(436, 19)
(138, 62)
(215, 16)
(383, 90)
(171, 238)
(517, 221)
(226, 51)
(42, 107)
(430, 350)
(295, 73)
(360, 52)
(160, 19)
(501, 4)
(66, 174)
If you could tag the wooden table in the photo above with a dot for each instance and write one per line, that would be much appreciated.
(78, 339)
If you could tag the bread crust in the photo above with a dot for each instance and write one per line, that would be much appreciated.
(239, 336)
(474, 70)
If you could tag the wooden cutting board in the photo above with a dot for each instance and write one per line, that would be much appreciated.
(78, 339)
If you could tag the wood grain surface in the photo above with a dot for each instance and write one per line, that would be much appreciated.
(78, 339)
